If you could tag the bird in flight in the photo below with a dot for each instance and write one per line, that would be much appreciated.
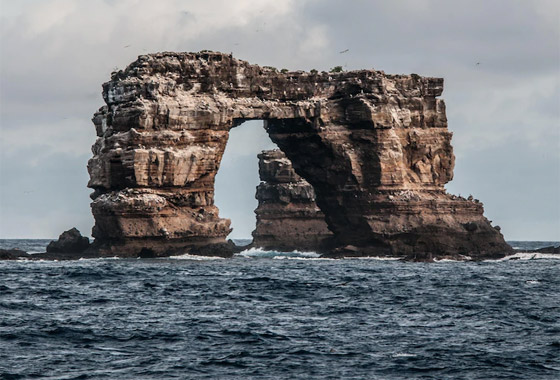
(344, 51)
(127, 46)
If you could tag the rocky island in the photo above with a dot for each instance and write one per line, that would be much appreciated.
(362, 162)
(373, 147)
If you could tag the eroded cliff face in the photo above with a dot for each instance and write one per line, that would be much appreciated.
(374, 147)
(288, 218)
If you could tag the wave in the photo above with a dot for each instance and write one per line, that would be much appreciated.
(379, 258)
(31, 246)
(529, 256)
(187, 256)
(100, 258)
(261, 253)
(403, 355)
(300, 258)
(303, 255)
(447, 260)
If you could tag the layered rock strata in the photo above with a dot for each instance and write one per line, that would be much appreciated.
(287, 216)
(375, 148)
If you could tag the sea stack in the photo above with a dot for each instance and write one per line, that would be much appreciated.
(374, 147)
(288, 218)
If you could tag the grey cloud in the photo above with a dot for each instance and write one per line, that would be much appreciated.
(43, 194)
(504, 113)
(504, 35)
(519, 188)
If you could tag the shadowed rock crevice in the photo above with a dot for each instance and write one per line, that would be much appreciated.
(374, 147)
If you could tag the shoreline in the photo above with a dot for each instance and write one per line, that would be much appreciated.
(20, 255)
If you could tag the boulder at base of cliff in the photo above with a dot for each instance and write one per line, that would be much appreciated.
(12, 254)
(70, 241)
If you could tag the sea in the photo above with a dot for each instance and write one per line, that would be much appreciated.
(272, 315)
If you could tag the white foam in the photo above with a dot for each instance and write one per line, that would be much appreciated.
(300, 258)
(302, 255)
(259, 252)
(187, 256)
(99, 258)
(529, 256)
(463, 258)
(379, 258)
(403, 355)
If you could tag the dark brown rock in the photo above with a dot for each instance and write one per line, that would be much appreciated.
(225, 250)
(13, 254)
(551, 249)
(70, 241)
(374, 147)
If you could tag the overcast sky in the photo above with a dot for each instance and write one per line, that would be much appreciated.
(504, 112)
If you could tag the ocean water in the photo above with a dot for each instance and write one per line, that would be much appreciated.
(266, 315)
(27, 245)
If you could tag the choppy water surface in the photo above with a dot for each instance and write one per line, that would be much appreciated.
(264, 318)
(27, 245)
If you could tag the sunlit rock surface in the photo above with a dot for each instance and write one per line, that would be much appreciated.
(374, 147)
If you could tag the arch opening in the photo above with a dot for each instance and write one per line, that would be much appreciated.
(238, 177)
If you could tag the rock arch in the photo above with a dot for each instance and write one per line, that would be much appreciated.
(375, 148)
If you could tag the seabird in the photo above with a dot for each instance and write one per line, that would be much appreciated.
(344, 51)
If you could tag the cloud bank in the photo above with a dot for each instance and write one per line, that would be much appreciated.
(500, 60)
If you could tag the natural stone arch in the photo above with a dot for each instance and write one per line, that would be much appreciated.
(375, 148)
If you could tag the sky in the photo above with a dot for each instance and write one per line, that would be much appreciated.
(500, 60)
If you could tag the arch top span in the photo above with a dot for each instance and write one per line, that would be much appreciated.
(374, 147)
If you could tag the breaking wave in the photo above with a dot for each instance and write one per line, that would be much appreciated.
(187, 256)
(261, 253)
(530, 256)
